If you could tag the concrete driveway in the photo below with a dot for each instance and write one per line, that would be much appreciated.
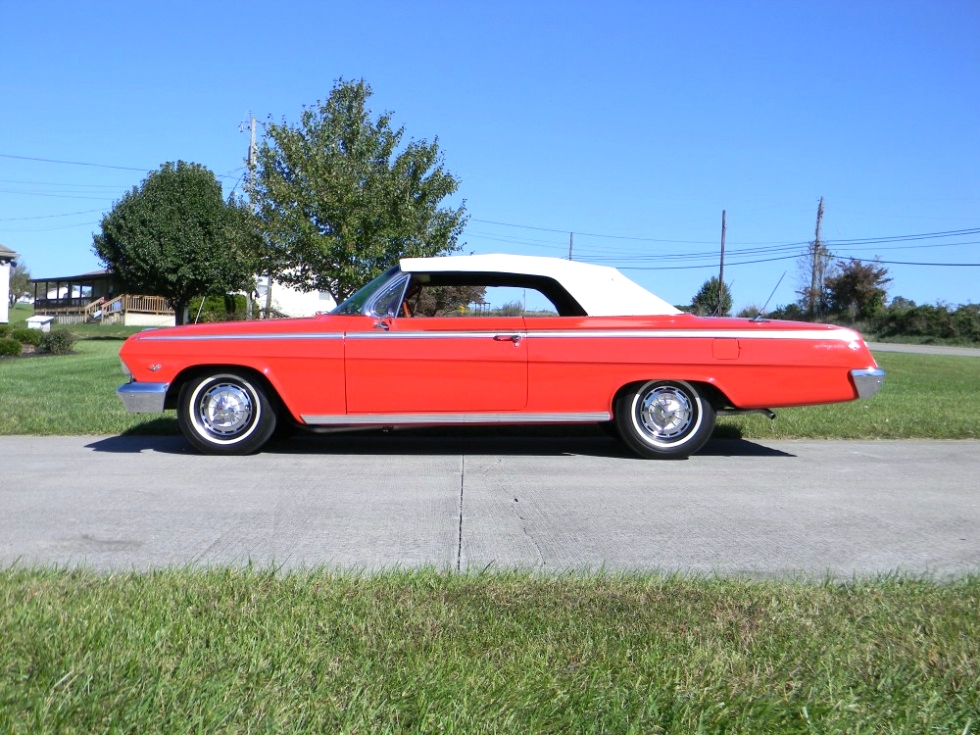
(474, 499)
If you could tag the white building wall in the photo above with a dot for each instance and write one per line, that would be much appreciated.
(133, 319)
(294, 303)
(4, 291)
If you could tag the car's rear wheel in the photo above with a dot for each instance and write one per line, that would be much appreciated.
(664, 418)
(226, 413)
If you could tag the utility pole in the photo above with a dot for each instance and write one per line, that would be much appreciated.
(251, 195)
(252, 156)
(721, 268)
(252, 163)
(571, 241)
(816, 266)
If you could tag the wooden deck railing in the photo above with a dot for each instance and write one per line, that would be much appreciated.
(94, 309)
(146, 304)
(100, 307)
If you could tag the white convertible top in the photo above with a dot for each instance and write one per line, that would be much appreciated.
(599, 289)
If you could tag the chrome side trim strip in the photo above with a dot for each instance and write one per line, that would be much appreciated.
(235, 337)
(404, 419)
(806, 334)
(434, 335)
(143, 397)
(842, 335)
(867, 381)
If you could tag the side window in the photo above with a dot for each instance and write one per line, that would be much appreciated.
(513, 301)
(387, 302)
(428, 300)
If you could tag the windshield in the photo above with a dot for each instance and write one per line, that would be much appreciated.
(356, 302)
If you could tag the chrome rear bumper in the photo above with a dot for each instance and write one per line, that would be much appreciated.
(867, 381)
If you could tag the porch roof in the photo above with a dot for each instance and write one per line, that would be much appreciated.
(7, 254)
(102, 275)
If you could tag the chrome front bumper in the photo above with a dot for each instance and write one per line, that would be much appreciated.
(867, 381)
(143, 397)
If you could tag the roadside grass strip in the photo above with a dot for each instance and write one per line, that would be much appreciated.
(923, 397)
(249, 650)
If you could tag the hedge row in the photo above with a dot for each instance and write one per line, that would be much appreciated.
(905, 319)
(55, 342)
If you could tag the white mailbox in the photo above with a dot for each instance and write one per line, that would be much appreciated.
(40, 322)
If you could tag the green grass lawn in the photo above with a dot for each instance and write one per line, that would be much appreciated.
(248, 650)
(18, 315)
(70, 394)
(225, 651)
(924, 396)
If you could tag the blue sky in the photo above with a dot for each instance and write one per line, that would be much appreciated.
(630, 124)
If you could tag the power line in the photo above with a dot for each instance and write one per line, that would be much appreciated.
(629, 260)
(853, 241)
(71, 163)
(903, 238)
(706, 265)
(92, 165)
(59, 183)
(50, 216)
(592, 234)
(55, 196)
(901, 262)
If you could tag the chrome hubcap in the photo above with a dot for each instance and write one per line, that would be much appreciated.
(666, 413)
(225, 409)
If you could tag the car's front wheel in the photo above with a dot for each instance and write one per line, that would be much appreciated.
(664, 418)
(225, 413)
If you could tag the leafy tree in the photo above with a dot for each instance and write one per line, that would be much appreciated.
(707, 299)
(20, 282)
(174, 236)
(792, 312)
(444, 300)
(857, 288)
(900, 304)
(341, 200)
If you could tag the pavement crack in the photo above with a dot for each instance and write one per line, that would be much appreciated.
(525, 519)
(459, 533)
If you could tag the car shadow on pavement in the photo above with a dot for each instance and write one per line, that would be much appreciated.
(531, 441)
(137, 443)
(740, 448)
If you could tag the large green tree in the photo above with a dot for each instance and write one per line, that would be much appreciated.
(342, 199)
(708, 301)
(857, 288)
(175, 236)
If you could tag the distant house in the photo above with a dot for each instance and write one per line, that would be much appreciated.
(97, 297)
(290, 302)
(7, 257)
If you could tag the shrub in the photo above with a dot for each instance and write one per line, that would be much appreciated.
(4, 331)
(231, 307)
(27, 336)
(9, 347)
(58, 342)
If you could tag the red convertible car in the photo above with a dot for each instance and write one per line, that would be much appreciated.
(491, 339)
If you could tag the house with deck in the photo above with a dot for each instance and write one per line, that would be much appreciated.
(97, 298)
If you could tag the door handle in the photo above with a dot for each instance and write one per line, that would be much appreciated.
(515, 338)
